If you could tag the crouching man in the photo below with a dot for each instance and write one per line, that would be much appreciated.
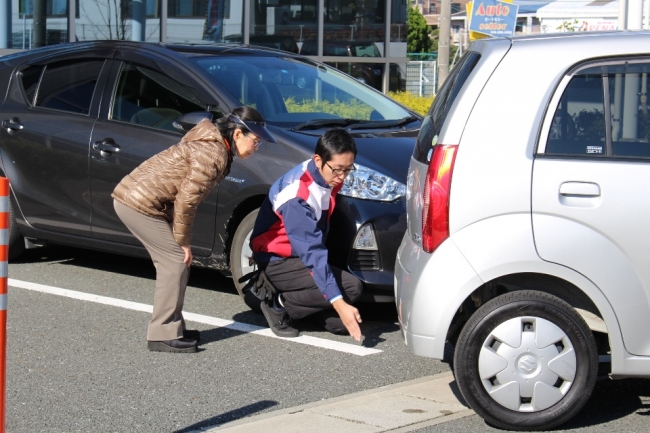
(288, 243)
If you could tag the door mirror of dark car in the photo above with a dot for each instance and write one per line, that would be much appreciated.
(190, 120)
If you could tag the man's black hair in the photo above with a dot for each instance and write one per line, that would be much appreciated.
(334, 142)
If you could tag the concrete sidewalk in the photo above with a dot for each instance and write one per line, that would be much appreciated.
(401, 407)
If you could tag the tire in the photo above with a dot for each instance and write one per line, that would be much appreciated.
(240, 256)
(510, 381)
(16, 241)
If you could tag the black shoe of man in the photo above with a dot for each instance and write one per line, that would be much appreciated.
(180, 345)
(192, 334)
(278, 321)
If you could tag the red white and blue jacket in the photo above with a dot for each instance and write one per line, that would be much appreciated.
(293, 222)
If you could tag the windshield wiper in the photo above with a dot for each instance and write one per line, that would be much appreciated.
(385, 123)
(317, 123)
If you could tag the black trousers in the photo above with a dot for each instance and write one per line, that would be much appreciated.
(301, 297)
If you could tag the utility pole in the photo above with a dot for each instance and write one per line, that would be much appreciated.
(444, 24)
(622, 14)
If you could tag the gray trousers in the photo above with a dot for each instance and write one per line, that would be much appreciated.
(167, 321)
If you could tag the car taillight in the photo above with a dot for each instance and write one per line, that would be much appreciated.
(437, 186)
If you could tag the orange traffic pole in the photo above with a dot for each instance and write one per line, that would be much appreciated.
(4, 257)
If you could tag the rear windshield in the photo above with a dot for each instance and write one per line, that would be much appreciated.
(443, 101)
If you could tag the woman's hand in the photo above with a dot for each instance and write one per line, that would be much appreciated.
(350, 317)
(188, 254)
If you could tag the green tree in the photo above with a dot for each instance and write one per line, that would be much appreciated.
(418, 40)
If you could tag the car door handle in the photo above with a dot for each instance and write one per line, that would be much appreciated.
(12, 125)
(580, 189)
(106, 147)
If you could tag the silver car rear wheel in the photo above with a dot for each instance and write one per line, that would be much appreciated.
(527, 364)
(526, 360)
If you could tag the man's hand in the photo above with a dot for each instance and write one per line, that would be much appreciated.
(350, 317)
(188, 255)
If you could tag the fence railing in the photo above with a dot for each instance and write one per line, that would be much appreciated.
(422, 78)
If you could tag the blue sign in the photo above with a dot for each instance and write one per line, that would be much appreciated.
(493, 17)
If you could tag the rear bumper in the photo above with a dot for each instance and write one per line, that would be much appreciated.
(429, 289)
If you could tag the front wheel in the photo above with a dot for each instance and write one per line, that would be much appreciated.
(241, 260)
(526, 360)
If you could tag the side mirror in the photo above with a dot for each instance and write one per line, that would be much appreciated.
(190, 120)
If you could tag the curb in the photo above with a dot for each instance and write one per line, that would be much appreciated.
(400, 407)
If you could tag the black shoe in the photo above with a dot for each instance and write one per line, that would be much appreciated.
(278, 321)
(180, 345)
(192, 334)
(335, 326)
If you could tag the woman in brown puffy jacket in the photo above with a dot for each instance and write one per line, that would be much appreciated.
(157, 202)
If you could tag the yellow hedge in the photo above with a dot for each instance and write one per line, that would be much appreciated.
(353, 109)
(419, 104)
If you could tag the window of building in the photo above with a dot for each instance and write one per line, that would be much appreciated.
(197, 8)
(53, 8)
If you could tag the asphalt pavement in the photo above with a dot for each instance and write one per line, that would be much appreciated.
(77, 362)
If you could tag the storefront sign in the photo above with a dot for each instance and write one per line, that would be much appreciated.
(493, 18)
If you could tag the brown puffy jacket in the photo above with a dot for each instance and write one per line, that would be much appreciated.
(172, 183)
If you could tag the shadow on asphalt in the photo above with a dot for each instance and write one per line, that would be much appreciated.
(201, 278)
(378, 319)
(231, 415)
(612, 400)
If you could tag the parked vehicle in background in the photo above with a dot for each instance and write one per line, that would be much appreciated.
(527, 243)
(369, 73)
(76, 118)
(279, 42)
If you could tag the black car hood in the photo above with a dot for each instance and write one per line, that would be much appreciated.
(387, 151)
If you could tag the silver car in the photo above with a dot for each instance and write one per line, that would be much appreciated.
(528, 240)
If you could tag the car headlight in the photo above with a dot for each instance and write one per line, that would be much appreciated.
(368, 184)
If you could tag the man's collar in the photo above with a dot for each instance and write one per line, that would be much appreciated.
(315, 174)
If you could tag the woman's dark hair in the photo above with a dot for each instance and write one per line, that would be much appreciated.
(227, 127)
(334, 142)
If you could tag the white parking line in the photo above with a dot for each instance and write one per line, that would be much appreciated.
(199, 318)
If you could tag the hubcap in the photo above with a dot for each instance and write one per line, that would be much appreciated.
(527, 364)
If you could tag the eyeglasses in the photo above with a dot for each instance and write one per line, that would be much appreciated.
(256, 141)
(341, 171)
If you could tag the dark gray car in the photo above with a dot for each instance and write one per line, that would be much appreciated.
(76, 118)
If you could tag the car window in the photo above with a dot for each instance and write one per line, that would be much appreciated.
(578, 126)
(290, 91)
(147, 97)
(603, 112)
(29, 79)
(435, 118)
(628, 90)
(65, 86)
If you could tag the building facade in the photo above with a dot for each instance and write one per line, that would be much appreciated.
(352, 35)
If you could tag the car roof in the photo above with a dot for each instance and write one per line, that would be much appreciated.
(185, 50)
(609, 34)
(571, 45)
